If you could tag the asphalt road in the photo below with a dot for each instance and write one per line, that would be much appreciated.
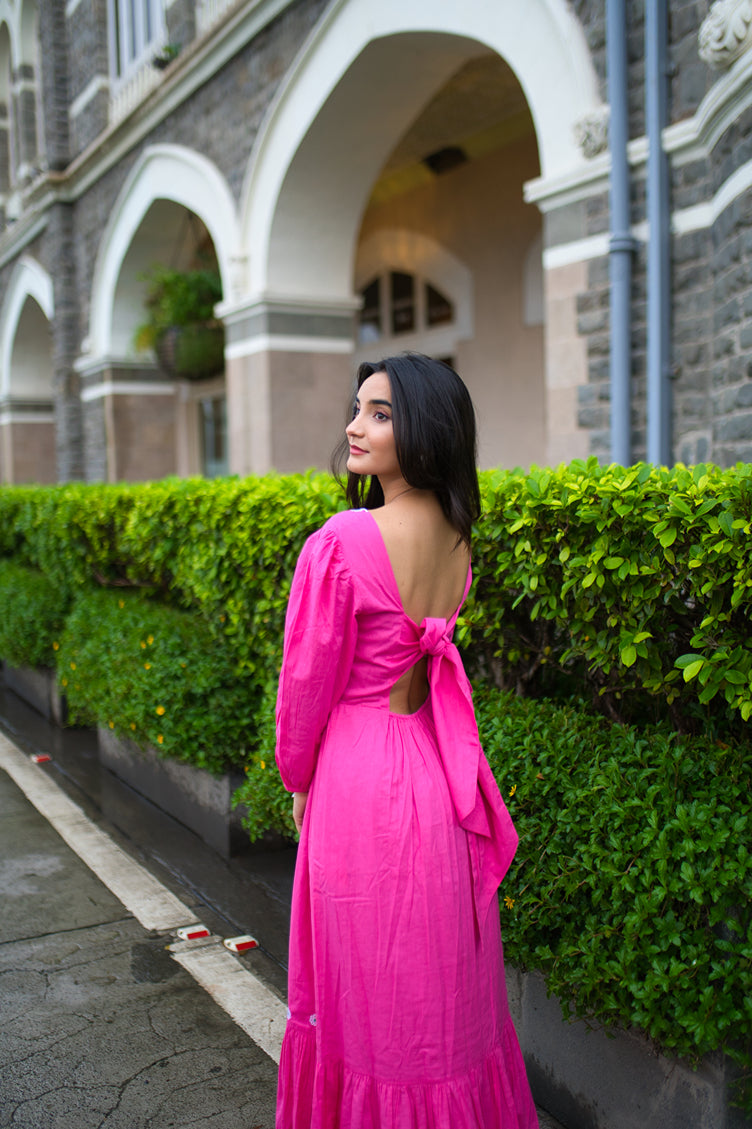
(99, 1025)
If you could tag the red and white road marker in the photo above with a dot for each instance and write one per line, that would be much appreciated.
(192, 932)
(40, 758)
(240, 944)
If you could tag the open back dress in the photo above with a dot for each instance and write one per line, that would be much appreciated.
(398, 1015)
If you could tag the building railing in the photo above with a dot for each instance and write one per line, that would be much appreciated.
(209, 12)
(132, 90)
(129, 91)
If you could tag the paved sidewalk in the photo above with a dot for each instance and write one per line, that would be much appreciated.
(100, 1028)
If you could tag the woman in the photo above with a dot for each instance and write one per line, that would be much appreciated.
(398, 1015)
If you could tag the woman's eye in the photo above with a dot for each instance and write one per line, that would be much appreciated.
(381, 416)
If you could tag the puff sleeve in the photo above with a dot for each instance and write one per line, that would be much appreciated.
(320, 635)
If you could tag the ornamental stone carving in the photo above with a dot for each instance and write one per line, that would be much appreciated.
(725, 33)
(591, 132)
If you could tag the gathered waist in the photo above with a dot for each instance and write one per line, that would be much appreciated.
(380, 705)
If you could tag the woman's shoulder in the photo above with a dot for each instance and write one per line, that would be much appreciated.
(337, 538)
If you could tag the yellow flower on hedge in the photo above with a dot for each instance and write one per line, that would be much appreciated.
(512, 790)
(150, 640)
(508, 902)
(160, 738)
(160, 710)
(143, 645)
(56, 646)
(73, 666)
(147, 666)
(63, 681)
(111, 724)
(133, 725)
(263, 764)
(222, 618)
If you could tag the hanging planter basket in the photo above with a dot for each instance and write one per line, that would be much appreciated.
(195, 351)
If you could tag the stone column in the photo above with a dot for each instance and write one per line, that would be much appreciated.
(66, 337)
(129, 421)
(27, 441)
(289, 375)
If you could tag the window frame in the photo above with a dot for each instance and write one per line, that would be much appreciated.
(130, 52)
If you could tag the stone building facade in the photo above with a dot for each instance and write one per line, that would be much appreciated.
(365, 178)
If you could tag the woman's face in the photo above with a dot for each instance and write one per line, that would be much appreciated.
(370, 433)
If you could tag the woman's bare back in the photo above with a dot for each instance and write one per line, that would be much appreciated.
(430, 570)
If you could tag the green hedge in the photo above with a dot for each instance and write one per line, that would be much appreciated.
(632, 887)
(220, 552)
(631, 585)
(157, 675)
(32, 614)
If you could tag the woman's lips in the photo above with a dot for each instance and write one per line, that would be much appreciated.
(356, 450)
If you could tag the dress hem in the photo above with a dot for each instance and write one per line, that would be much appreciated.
(491, 1094)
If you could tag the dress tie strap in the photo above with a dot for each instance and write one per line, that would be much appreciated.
(474, 792)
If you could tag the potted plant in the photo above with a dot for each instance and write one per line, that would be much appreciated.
(181, 328)
(165, 56)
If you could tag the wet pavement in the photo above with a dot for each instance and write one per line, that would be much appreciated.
(99, 1025)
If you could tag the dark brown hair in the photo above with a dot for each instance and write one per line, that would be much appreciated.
(435, 437)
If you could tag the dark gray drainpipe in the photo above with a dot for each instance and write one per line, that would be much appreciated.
(621, 245)
(659, 240)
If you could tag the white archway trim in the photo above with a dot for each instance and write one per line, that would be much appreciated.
(398, 249)
(28, 280)
(163, 172)
(542, 41)
(10, 15)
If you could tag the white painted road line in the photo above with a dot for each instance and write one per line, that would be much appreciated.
(242, 995)
(148, 900)
(253, 1007)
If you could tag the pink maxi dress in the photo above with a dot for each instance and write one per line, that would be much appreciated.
(398, 1015)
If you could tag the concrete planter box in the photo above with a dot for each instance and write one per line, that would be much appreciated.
(38, 687)
(589, 1080)
(199, 800)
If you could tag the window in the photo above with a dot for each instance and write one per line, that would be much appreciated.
(370, 314)
(405, 304)
(213, 423)
(137, 26)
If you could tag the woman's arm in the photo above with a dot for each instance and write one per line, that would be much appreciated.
(320, 633)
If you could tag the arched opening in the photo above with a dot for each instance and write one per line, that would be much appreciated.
(145, 413)
(417, 119)
(454, 182)
(31, 358)
(27, 429)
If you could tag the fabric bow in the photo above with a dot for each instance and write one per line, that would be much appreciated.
(474, 792)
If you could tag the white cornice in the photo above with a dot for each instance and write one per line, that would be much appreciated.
(696, 137)
(685, 141)
(20, 234)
